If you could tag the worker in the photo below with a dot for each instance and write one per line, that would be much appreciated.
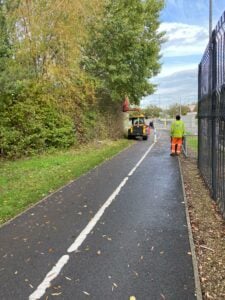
(177, 136)
(151, 124)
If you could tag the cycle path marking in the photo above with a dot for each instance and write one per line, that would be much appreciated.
(55, 271)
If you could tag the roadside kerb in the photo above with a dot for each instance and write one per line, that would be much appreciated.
(192, 245)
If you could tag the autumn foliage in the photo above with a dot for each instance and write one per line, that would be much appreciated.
(66, 66)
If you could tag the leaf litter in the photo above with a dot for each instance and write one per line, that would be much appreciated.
(208, 230)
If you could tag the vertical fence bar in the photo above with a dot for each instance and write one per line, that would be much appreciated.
(213, 84)
(199, 112)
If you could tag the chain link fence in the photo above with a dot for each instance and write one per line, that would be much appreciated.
(190, 146)
(211, 114)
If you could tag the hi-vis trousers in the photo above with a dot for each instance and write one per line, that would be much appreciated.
(174, 142)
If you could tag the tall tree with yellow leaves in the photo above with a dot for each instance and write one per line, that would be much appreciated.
(49, 92)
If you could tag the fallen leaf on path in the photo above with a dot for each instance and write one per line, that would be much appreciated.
(86, 293)
(56, 294)
(28, 259)
(135, 273)
(67, 278)
(57, 287)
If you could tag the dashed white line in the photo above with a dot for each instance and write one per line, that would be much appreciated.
(46, 283)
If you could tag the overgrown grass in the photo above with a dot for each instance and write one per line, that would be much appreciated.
(24, 182)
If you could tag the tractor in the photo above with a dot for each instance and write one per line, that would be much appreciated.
(138, 127)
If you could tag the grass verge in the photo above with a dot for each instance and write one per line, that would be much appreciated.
(192, 142)
(26, 181)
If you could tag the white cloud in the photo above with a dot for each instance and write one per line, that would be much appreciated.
(178, 79)
(180, 86)
(183, 39)
(169, 70)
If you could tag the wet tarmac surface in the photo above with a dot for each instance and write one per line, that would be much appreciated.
(139, 247)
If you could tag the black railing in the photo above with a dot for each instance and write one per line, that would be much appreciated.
(211, 114)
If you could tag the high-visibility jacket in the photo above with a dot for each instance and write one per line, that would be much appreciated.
(177, 129)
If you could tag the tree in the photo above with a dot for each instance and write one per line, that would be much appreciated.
(4, 46)
(124, 50)
(61, 62)
(152, 111)
(176, 109)
(44, 92)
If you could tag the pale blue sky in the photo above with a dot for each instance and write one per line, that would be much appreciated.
(186, 26)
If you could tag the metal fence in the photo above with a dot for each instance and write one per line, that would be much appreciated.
(190, 146)
(211, 114)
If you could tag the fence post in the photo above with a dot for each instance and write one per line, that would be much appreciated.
(213, 83)
(185, 146)
(199, 113)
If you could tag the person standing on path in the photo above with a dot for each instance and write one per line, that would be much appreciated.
(151, 125)
(177, 135)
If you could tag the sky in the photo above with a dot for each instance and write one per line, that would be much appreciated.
(186, 23)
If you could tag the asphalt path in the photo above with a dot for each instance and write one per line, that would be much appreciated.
(118, 231)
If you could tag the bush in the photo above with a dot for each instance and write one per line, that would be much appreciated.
(28, 127)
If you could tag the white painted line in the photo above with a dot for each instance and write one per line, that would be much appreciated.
(140, 161)
(46, 283)
(82, 236)
(40, 291)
